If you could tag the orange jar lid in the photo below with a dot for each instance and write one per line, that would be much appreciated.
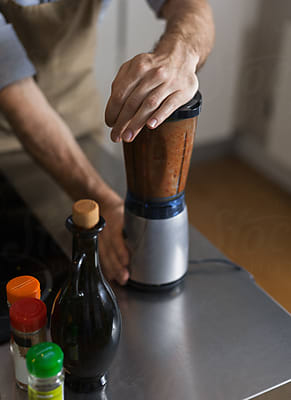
(22, 286)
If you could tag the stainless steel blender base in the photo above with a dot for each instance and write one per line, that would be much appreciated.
(158, 247)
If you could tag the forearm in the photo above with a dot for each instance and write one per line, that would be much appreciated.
(49, 141)
(190, 23)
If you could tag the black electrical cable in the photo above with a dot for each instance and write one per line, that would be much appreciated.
(216, 260)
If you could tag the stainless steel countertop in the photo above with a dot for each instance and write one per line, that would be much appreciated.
(215, 337)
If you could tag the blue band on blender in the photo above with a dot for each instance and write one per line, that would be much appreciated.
(155, 209)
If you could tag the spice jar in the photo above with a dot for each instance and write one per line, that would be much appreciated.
(45, 372)
(28, 327)
(22, 286)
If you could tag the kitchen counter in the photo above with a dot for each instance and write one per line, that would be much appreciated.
(217, 336)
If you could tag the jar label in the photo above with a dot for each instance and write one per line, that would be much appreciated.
(19, 363)
(56, 394)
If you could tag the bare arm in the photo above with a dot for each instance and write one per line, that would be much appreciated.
(47, 138)
(148, 88)
(189, 22)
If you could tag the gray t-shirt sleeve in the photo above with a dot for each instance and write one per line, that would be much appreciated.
(156, 5)
(14, 63)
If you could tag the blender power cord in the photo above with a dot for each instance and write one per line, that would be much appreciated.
(215, 260)
(220, 261)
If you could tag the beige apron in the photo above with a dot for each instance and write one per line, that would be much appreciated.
(60, 40)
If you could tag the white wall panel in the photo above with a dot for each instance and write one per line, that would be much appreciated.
(218, 78)
(279, 140)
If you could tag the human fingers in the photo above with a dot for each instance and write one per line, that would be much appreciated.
(115, 221)
(171, 104)
(125, 81)
(159, 104)
(156, 108)
(148, 95)
(120, 249)
(111, 266)
(149, 105)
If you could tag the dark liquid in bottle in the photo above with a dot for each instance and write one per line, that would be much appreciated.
(86, 324)
(90, 344)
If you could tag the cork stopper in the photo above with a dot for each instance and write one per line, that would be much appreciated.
(85, 213)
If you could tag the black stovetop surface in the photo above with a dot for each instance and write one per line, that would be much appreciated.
(26, 249)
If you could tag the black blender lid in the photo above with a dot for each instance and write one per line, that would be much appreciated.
(188, 110)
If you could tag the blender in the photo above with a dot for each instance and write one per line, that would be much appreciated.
(156, 220)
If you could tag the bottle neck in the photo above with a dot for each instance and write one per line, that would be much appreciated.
(87, 246)
(86, 274)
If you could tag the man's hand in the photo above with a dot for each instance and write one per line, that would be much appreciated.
(48, 139)
(114, 256)
(151, 86)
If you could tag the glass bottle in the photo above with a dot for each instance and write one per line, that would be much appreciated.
(45, 366)
(86, 320)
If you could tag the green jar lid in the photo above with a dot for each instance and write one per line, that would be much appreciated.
(44, 360)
